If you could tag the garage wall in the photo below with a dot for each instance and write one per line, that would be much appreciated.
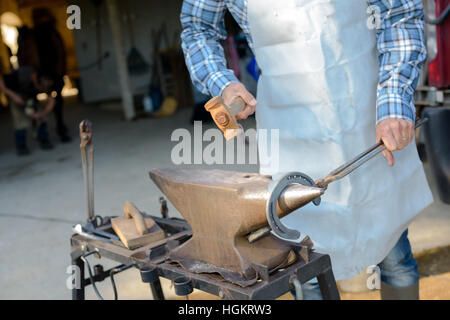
(102, 84)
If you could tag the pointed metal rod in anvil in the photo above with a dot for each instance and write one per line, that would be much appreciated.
(222, 208)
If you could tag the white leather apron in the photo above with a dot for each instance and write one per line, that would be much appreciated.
(318, 87)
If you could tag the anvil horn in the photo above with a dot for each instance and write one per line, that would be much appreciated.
(224, 206)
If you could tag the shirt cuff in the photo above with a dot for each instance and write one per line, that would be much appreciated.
(219, 80)
(394, 105)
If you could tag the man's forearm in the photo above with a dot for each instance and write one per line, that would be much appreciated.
(203, 29)
(402, 50)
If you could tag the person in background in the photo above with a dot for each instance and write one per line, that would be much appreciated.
(52, 61)
(21, 87)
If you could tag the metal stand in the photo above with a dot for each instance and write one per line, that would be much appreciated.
(78, 293)
(152, 262)
(327, 284)
(150, 276)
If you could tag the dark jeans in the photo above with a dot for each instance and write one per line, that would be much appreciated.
(398, 269)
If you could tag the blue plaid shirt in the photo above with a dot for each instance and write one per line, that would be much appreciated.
(400, 43)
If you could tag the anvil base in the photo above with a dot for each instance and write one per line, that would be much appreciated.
(245, 262)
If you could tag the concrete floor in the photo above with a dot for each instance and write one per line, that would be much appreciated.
(42, 196)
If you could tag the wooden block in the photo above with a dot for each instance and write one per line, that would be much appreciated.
(127, 232)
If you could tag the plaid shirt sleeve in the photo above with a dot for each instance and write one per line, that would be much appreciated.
(402, 50)
(203, 28)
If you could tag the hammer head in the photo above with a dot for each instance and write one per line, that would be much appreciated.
(225, 116)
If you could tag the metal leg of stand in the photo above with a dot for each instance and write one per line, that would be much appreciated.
(327, 284)
(150, 275)
(157, 291)
(78, 293)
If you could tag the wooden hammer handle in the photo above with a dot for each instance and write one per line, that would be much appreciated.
(131, 212)
(236, 106)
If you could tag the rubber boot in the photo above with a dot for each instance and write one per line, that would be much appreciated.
(42, 135)
(389, 292)
(21, 142)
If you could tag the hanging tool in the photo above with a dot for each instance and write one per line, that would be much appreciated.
(135, 61)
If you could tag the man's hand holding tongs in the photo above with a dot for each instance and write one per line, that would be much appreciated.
(396, 134)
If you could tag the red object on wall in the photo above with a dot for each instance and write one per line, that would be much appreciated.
(439, 68)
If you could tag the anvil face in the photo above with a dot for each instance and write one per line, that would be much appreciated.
(222, 207)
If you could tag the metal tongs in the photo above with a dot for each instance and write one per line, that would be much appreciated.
(275, 224)
(87, 160)
(355, 163)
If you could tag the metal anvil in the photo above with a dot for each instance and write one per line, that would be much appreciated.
(222, 208)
